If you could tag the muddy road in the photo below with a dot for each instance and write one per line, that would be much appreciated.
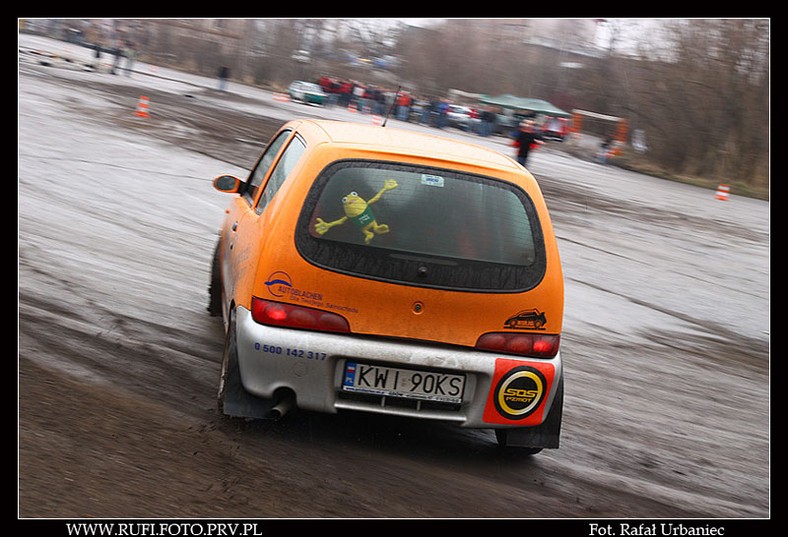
(666, 342)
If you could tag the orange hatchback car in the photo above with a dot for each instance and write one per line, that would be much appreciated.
(372, 269)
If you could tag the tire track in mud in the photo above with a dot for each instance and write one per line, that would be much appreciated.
(194, 120)
(62, 327)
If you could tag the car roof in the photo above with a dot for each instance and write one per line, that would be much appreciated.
(407, 142)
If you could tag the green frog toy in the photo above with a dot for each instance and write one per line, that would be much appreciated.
(358, 210)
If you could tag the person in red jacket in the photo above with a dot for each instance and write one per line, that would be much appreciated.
(403, 106)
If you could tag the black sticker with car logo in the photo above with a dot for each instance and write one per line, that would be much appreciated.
(520, 392)
(531, 319)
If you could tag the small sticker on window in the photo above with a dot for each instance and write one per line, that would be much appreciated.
(431, 180)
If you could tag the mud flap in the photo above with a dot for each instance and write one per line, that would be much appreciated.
(545, 435)
(233, 399)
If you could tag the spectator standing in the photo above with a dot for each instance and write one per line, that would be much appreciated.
(426, 111)
(117, 43)
(604, 151)
(117, 51)
(443, 113)
(131, 54)
(380, 101)
(345, 93)
(527, 139)
(403, 106)
(93, 36)
(487, 122)
(358, 96)
(224, 74)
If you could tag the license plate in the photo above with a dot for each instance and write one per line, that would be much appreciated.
(407, 383)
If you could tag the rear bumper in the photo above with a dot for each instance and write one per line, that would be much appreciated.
(311, 365)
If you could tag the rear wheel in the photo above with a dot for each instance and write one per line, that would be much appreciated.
(230, 377)
(233, 399)
(215, 287)
(502, 436)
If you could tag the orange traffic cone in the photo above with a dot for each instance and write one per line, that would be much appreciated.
(723, 192)
(142, 107)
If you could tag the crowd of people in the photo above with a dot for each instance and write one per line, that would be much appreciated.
(405, 105)
(365, 98)
(526, 136)
(483, 120)
(525, 133)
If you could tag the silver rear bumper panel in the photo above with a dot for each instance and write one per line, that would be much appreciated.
(311, 365)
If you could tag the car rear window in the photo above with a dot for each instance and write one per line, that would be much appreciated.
(422, 226)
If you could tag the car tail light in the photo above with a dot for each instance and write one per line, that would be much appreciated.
(291, 316)
(535, 345)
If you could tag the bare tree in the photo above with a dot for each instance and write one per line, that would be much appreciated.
(708, 102)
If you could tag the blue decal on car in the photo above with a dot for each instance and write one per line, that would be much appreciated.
(350, 374)
(276, 283)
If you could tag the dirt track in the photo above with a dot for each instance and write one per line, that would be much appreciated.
(119, 361)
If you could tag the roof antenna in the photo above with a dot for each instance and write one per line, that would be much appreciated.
(393, 104)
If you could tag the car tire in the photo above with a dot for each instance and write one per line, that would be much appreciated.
(229, 378)
(215, 286)
(233, 399)
(502, 437)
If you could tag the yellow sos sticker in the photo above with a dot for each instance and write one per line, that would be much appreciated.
(517, 392)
